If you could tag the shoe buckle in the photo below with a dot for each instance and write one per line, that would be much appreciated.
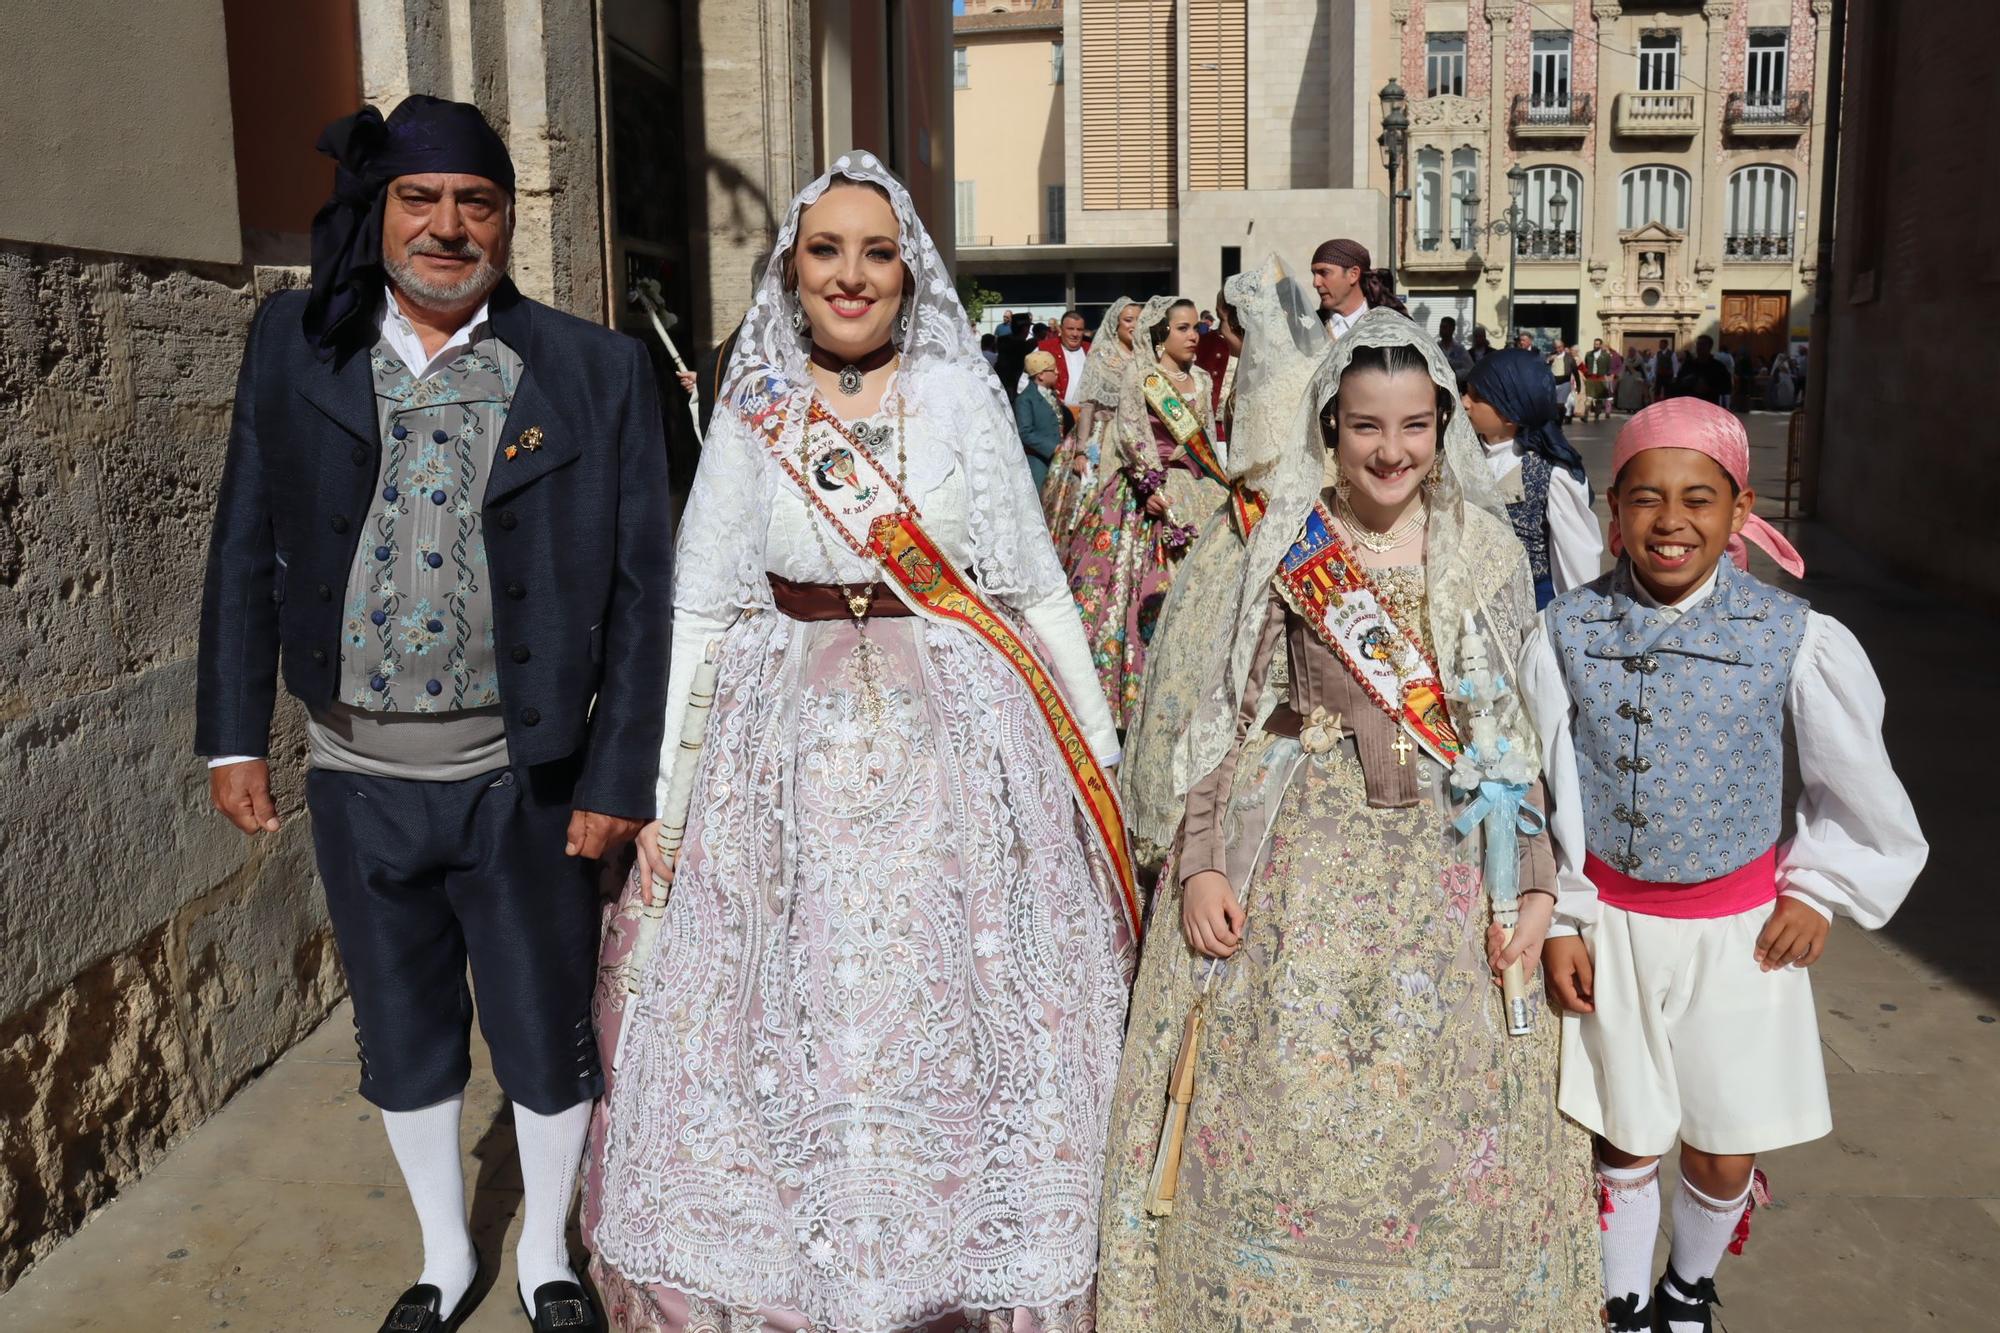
(408, 1318)
(570, 1313)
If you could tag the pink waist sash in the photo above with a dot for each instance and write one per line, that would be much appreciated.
(1727, 895)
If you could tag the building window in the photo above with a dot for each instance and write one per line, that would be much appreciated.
(1761, 200)
(1464, 188)
(1430, 199)
(963, 207)
(1653, 194)
(1444, 65)
(1764, 78)
(1056, 63)
(1056, 226)
(1549, 73)
(1659, 62)
(960, 68)
(1552, 226)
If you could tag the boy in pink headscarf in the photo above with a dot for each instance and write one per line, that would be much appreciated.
(1683, 930)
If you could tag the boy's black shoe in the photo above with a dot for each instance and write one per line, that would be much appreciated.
(1624, 1314)
(1669, 1309)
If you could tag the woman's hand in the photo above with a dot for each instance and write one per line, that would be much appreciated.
(1156, 504)
(1530, 930)
(653, 869)
(1567, 960)
(1211, 917)
(687, 379)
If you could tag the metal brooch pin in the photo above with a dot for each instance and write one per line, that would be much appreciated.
(529, 440)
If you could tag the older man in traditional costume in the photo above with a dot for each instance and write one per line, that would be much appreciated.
(445, 507)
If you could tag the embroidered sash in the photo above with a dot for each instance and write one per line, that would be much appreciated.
(1246, 507)
(1327, 586)
(855, 496)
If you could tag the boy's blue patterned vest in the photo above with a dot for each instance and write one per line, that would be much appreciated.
(1530, 515)
(1679, 725)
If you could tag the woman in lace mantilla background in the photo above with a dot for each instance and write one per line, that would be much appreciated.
(1366, 1148)
(1150, 504)
(863, 1083)
(1073, 475)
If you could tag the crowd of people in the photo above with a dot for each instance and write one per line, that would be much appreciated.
(1595, 384)
(1268, 875)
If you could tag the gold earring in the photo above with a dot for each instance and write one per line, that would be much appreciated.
(1434, 478)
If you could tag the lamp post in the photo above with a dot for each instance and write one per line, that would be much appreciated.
(1395, 143)
(1515, 226)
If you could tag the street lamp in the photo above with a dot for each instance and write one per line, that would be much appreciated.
(1395, 142)
(1515, 226)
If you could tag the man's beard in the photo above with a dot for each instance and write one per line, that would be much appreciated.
(472, 287)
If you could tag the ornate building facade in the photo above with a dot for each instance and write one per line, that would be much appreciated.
(1663, 156)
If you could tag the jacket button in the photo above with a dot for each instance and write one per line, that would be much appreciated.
(507, 519)
(516, 591)
(319, 657)
(529, 717)
(338, 523)
(521, 653)
(325, 593)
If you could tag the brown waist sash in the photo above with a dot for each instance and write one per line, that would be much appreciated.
(828, 601)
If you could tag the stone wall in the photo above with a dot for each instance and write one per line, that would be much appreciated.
(151, 958)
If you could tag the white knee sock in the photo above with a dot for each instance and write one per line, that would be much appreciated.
(551, 1147)
(1629, 1207)
(426, 1146)
(1703, 1228)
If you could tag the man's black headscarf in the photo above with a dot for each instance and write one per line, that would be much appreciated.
(422, 135)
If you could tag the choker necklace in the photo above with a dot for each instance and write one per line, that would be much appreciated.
(850, 374)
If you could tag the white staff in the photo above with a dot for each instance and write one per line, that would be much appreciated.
(673, 826)
(646, 291)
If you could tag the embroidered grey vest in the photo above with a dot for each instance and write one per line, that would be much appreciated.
(419, 625)
(1679, 725)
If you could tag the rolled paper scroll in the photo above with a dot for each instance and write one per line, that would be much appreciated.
(673, 820)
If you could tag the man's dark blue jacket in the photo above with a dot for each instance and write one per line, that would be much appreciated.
(577, 545)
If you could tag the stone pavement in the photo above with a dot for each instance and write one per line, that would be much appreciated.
(284, 1211)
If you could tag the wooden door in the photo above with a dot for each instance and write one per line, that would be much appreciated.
(1759, 320)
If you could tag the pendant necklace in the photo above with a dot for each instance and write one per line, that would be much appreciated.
(866, 663)
(848, 374)
(1382, 543)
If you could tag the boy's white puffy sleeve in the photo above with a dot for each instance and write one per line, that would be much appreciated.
(1545, 697)
(1857, 848)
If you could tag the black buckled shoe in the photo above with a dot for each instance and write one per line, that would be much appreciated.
(563, 1307)
(1670, 1309)
(416, 1311)
(1624, 1314)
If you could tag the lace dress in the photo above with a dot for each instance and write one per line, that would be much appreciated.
(867, 1076)
(1120, 566)
(1068, 490)
(1367, 1148)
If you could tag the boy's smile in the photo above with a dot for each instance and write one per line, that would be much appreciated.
(1677, 510)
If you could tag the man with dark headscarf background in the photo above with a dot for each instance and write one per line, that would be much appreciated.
(444, 508)
(1349, 285)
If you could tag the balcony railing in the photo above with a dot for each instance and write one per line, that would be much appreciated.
(1546, 243)
(1443, 250)
(1553, 117)
(1657, 114)
(1757, 247)
(1756, 115)
(1432, 241)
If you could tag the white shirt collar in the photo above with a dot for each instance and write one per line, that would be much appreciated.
(1685, 604)
(1340, 323)
(408, 344)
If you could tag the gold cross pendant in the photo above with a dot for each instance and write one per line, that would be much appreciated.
(1402, 747)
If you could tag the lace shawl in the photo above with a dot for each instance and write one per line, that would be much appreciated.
(1104, 369)
(955, 411)
(1472, 560)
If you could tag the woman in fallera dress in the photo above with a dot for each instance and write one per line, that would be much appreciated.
(1282, 341)
(1366, 1148)
(1152, 499)
(863, 1081)
(1073, 474)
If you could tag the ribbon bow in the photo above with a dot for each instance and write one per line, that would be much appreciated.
(1503, 808)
